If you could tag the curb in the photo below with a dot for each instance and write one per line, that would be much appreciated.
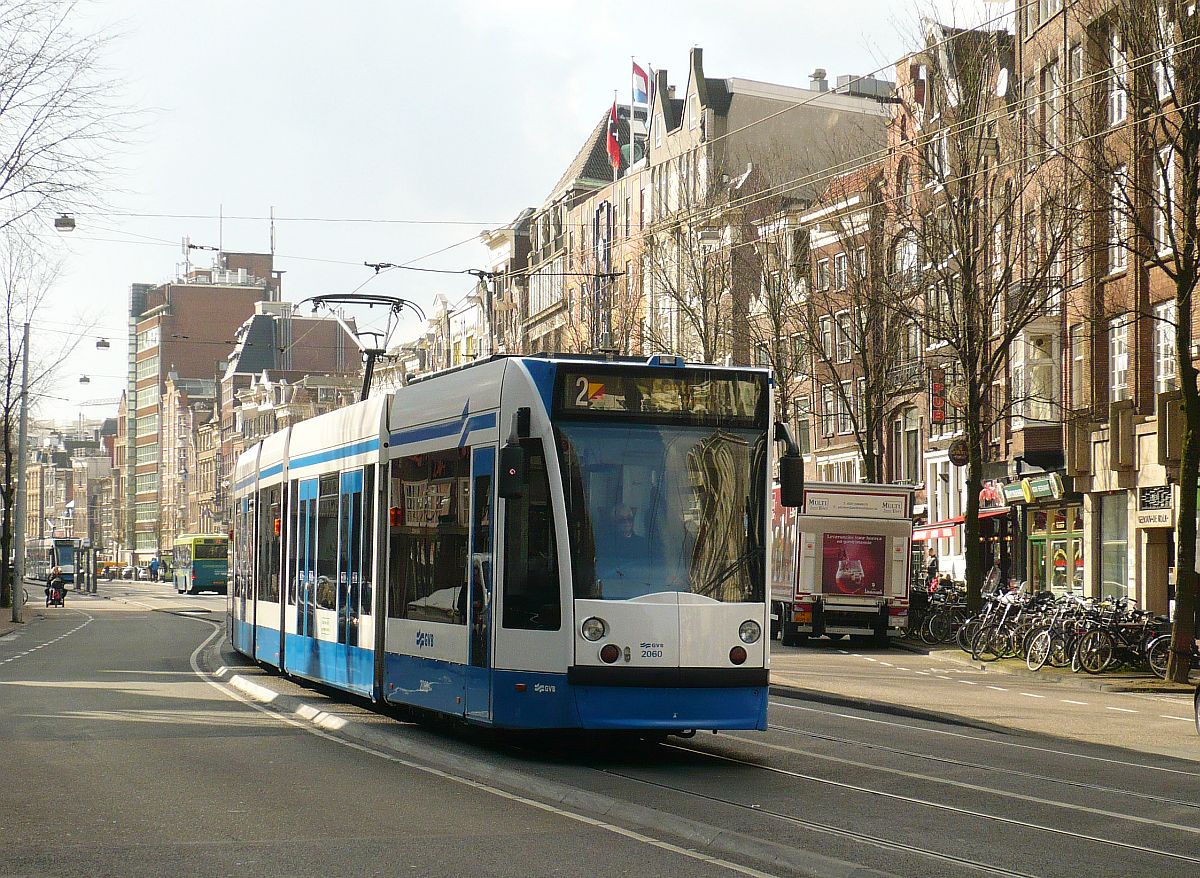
(714, 840)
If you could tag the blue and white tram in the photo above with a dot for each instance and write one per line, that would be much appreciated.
(525, 542)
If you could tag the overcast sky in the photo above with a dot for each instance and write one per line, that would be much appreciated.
(454, 112)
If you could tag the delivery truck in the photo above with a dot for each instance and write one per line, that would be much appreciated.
(842, 563)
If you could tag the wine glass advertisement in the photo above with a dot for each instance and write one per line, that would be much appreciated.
(853, 564)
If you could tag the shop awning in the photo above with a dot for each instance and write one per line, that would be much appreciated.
(944, 530)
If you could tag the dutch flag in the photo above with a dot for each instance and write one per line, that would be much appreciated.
(641, 85)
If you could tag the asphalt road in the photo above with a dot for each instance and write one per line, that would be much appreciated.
(132, 750)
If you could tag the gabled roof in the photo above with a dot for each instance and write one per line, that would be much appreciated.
(591, 167)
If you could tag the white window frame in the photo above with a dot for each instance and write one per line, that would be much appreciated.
(827, 343)
(828, 411)
(823, 275)
(1165, 375)
(845, 422)
(1164, 169)
(844, 330)
(1077, 341)
(1118, 358)
(1118, 82)
(1118, 222)
(839, 271)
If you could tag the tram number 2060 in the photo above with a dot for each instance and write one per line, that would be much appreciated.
(424, 640)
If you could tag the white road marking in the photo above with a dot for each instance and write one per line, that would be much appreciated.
(887, 664)
(1031, 695)
(483, 787)
(923, 673)
(1186, 719)
(1069, 701)
(1122, 763)
(968, 682)
(844, 651)
(942, 677)
(998, 688)
(1122, 709)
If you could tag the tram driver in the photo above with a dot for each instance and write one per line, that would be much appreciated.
(623, 555)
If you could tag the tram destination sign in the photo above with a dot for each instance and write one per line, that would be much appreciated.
(695, 394)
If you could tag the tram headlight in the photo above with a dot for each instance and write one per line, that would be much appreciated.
(750, 631)
(593, 629)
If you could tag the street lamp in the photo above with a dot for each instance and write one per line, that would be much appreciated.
(64, 223)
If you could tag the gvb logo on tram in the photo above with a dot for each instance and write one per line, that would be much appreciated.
(593, 532)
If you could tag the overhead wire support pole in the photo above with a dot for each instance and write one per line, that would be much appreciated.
(18, 567)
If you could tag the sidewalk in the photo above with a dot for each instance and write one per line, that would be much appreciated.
(1118, 681)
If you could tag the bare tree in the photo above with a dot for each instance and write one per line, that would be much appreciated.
(26, 276)
(1144, 153)
(990, 239)
(59, 123)
(864, 349)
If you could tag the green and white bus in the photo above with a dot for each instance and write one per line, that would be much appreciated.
(201, 563)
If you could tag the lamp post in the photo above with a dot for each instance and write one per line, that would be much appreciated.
(18, 589)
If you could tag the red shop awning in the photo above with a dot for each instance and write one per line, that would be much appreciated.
(943, 530)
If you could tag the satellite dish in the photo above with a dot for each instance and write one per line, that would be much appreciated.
(1002, 83)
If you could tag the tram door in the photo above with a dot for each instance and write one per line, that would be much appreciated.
(306, 577)
(243, 577)
(350, 514)
(478, 677)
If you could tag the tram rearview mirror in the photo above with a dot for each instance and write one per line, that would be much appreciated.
(791, 468)
(791, 481)
(512, 470)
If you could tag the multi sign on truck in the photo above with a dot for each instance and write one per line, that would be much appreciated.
(842, 562)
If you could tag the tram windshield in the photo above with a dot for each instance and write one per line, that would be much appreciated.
(656, 508)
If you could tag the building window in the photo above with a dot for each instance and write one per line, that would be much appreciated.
(906, 447)
(826, 325)
(147, 426)
(839, 271)
(1118, 359)
(1050, 104)
(1077, 342)
(845, 337)
(146, 483)
(822, 275)
(1118, 256)
(146, 454)
(1164, 348)
(1164, 170)
(845, 398)
(762, 356)
(1164, 67)
(694, 112)
(828, 411)
(1114, 531)
(1118, 81)
(147, 368)
(148, 338)
(803, 413)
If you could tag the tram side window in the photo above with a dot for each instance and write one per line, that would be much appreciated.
(293, 541)
(531, 593)
(327, 542)
(270, 529)
(428, 521)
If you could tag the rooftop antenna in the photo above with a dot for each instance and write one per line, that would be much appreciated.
(272, 233)
(221, 228)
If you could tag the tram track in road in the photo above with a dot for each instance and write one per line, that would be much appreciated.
(980, 766)
(943, 807)
(853, 835)
(1049, 751)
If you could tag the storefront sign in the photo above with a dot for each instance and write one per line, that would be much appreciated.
(1155, 507)
(937, 396)
(855, 504)
(960, 453)
(1047, 487)
(1015, 493)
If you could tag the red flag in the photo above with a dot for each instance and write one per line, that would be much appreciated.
(613, 145)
